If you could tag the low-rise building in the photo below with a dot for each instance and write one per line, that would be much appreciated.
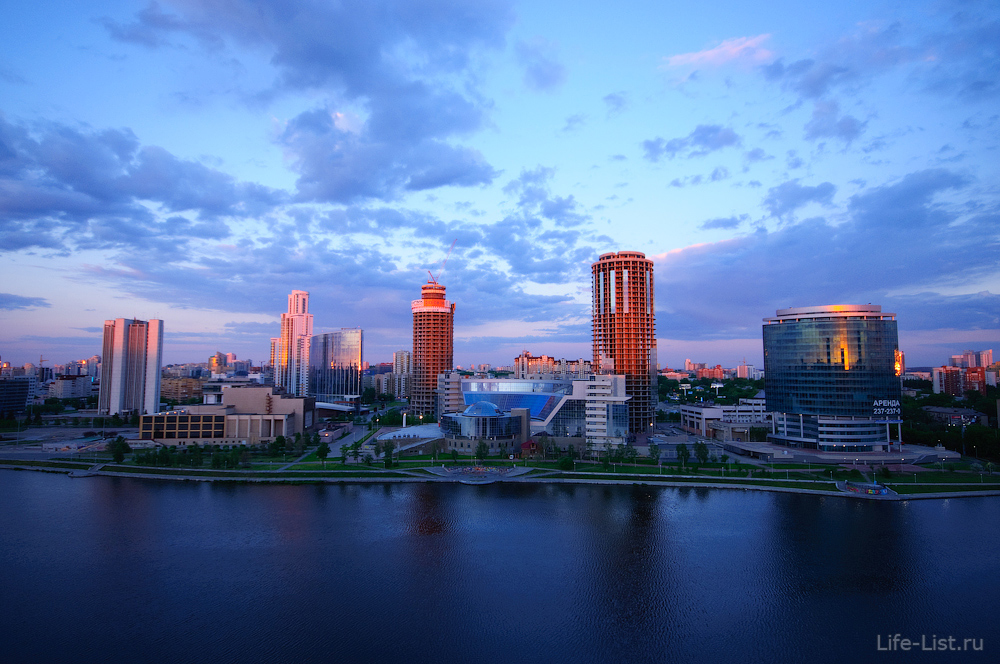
(591, 412)
(70, 387)
(725, 422)
(247, 415)
(956, 416)
(181, 390)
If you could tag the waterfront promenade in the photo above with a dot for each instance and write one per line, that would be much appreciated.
(468, 474)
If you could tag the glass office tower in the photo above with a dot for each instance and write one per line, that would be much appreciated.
(831, 376)
(335, 361)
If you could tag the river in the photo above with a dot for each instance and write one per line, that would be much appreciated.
(124, 570)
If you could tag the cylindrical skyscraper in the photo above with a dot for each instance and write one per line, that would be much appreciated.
(831, 377)
(433, 346)
(625, 330)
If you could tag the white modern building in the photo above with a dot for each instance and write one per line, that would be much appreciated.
(593, 410)
(130, 368)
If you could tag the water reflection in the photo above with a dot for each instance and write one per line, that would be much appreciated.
(502, 572)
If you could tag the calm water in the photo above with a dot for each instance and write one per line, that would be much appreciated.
(122, 570)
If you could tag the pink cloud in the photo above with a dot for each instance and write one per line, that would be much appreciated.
(744, 49)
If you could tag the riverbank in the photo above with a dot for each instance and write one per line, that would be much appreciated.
(908, 491)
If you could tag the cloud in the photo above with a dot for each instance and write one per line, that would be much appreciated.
(724, 222)
(10, 301)
(542, 70)
(574, 122)
(700, 142)
(616, 102)
(955, 57)
(737, 49)
(826, 122)
(790, 196)
(719, 173)
(901, 237)
(403, 63)
(61, 187)
(8, 75)
(756, 155)
(341, 166)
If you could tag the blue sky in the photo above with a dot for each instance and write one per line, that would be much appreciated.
(196, 161)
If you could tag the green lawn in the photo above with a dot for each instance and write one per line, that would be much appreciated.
(950, 478)
(909, 489)
(40, 463)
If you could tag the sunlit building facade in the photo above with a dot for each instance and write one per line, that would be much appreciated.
(832, 377)
(625, 330)
(335, 360)
(290, 351)
(433, 346)
(130, 370)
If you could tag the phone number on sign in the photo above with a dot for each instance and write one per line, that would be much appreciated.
(887, 411)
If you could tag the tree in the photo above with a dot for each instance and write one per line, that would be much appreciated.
(116, 420)
(724, 458)
(631, 453)
(378, 448)
(701, 452)
(323, 451)
(482, 450)
(654, 451)
(197, 454)
(454, 455)
(388, 447)
(683, 454)
(345, 449)
(119, 447)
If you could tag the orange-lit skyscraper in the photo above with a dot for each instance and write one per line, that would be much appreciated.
(290, 351)
(433, 346)
(625, 330)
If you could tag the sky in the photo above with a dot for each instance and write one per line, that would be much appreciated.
(196, 161)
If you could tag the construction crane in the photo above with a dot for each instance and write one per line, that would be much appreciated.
(443, 263)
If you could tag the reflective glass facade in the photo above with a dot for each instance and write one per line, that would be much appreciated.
(480, 420)
(335, 361)
(539, 405)
(830, 362)
(824, 370)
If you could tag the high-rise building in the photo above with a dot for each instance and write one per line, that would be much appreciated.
(625, 330)
(830, 377)
(130, 368)
(948, 380)
(402, 362)
(290, 351)
(433, 346)
(335, 360)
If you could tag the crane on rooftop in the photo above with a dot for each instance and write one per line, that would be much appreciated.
(443, 263)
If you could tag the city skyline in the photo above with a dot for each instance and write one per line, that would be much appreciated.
(196, 162)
